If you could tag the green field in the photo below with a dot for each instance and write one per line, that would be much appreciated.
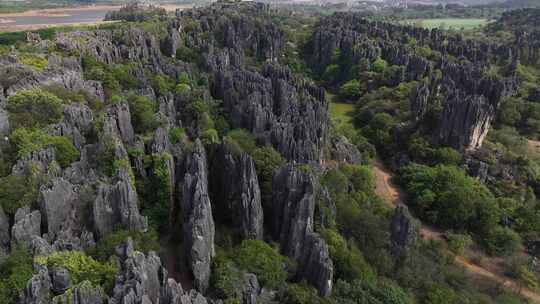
(341, 112)
(447, 23)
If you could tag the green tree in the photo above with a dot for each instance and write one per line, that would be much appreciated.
(264, 261)
(350, 90)
(142, 113)
(33, 109)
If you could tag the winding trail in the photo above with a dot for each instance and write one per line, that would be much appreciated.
(394, 195)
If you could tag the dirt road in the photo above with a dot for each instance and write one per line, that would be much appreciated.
(393, 194)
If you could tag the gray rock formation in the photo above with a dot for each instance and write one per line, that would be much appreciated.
(61, 280)
(198, 223)
(5, 238)
(293, 196)
(341, 150)
(59, 204)
(279, 109)
(404, 231)
(38, 289)
(235, 190)
(117, 206)
(117, 122)
(465, 122)
(27, 224)
(42, 159)
(82, 293)
(142, 279)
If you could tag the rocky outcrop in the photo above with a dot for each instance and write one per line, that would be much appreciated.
(236, 192)
(27, 224)
(117, 122)
(5, 237)
(38, 288)
(293, 196)
(82, 293)
(279, 109)
(341, 150)
(142, 279)
(117, 206)
(404, 232)
(465, 122)
(40, 159)
(59, 207)
(198, 222)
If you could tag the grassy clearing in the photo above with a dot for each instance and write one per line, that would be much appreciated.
(449, 23)
(340, 112)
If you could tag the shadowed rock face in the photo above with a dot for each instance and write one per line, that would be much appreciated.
(27, 224)
(288, 113)
(404, 231)
(117, 206)
(141, 279)
(236, 191)
(294, 198)
(198, 223)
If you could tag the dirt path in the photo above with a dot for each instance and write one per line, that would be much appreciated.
(393, 194)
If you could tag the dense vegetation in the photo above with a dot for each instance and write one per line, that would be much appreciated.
(172, 123)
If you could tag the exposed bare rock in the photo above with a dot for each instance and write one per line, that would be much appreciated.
(465, 121)
(38, 289)
(83, 293)
(294, 195)
(142, 279)
(404, 231)
(342, 150)
(27, 224)
(117, 122)
(236, 186)
(5, 237)
(42, 159)
(59, 206)
(117, 206)
(198, 223)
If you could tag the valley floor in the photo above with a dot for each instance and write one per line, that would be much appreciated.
(394, 195)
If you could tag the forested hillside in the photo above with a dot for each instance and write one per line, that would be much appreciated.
(236, 153)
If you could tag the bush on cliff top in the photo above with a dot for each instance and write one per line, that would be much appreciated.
(33, 109)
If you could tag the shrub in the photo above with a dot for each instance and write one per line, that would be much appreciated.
(361, 177)
(81, 267)
(348, 260)
(447, 196)
(33, 60)
(379, 65)
(438, 294)
(17, 191)
(142, 241)
(457, 243)
(66, 153)
(159, 191)
(301, 294)
(182, 88)
(447, 156)
(176, 135)
(142, 113)
(501, 241)
(33, 109)
(162, 84)
(264, 261)
(15, 270)
(28, 141)
(226, 277)
(267, 160)
(244, 139)
(350, 90)
(210, 137)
